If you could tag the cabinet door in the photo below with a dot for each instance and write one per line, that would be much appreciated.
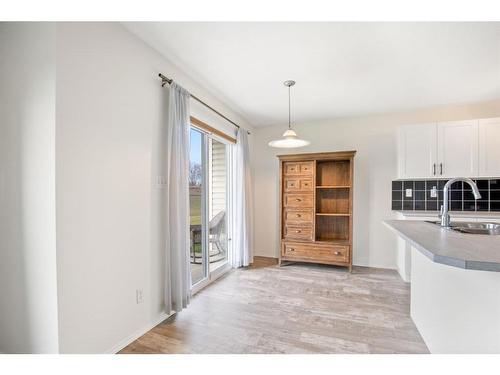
(489, 147)
(457, 149)
(417, 151)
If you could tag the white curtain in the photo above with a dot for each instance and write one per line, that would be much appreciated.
(243, 212)
(177, 267)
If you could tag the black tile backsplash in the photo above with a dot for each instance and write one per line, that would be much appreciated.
(407, 205)
(397, 205)
(419, 185)
(460, 198)
(469, 205)
(495, 195)
(495, 184)
(397, 195)
(481, 185)
(407, 185)
(431, 205)
(482, 206)
(397, 185)
(419, 195)
(419, 205)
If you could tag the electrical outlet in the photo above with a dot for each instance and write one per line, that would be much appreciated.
(139, 297)
(434, 192)
(408, 193)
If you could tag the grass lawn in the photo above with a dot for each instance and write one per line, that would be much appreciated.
(195, 209)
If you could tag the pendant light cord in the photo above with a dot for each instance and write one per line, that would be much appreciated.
(289, 127)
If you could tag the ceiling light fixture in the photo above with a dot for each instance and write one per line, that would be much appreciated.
(290, 138)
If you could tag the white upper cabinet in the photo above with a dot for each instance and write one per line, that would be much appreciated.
(417, 150)
(450, 149)
(457, 152)
(489, 147)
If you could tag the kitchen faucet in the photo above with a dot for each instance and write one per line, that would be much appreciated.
(445, 216)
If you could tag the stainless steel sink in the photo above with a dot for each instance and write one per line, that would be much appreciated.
(473, 227)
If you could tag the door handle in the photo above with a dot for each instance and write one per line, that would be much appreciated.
(440, 168)
(434, 169)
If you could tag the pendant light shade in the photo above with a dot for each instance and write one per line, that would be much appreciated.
(290, 138)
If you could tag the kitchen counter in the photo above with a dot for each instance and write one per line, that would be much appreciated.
(455, 283)
(445, 246)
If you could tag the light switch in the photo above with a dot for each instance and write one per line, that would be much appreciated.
(161, 181)
(408, 193)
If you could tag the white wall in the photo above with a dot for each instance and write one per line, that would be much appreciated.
(110, 111)
(375, 139)
(28, 295)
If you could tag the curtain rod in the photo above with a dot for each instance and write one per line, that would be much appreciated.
(165, 80)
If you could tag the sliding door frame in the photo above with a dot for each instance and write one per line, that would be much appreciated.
(210, 277)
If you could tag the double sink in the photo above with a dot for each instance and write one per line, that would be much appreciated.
(473, 227)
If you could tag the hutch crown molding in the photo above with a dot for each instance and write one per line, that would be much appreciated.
(316, 199)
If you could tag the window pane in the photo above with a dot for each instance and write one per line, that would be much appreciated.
(196, 206)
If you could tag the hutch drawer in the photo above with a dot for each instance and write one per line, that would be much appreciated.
(299, 168)
(332, 253)
(301, 232)
(298, 184)
(299, 200)
(299, 217)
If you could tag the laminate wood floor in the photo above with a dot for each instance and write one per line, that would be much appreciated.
(296, 308)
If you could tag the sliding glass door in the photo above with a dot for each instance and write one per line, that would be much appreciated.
(209, 197)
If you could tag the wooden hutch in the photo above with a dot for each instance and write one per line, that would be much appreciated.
(316, 194)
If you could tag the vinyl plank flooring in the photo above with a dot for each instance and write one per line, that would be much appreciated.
(297, 308)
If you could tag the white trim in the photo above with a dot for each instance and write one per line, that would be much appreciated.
(129, 339)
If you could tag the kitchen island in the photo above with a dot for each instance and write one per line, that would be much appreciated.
(455, 287)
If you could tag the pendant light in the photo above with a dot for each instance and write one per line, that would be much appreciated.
(290, 138)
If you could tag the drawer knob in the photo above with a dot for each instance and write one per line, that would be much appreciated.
(299, 215)
(298, 199)
(336, 252)
(298, 231)
(292, 249)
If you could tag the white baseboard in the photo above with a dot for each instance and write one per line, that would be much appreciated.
(129, 339)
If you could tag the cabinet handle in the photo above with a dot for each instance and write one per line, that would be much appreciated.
(298, 231)
(434, 169)
(298, 199)
(336, 253)
(292, 249)
(298, 215)
(440, 168)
